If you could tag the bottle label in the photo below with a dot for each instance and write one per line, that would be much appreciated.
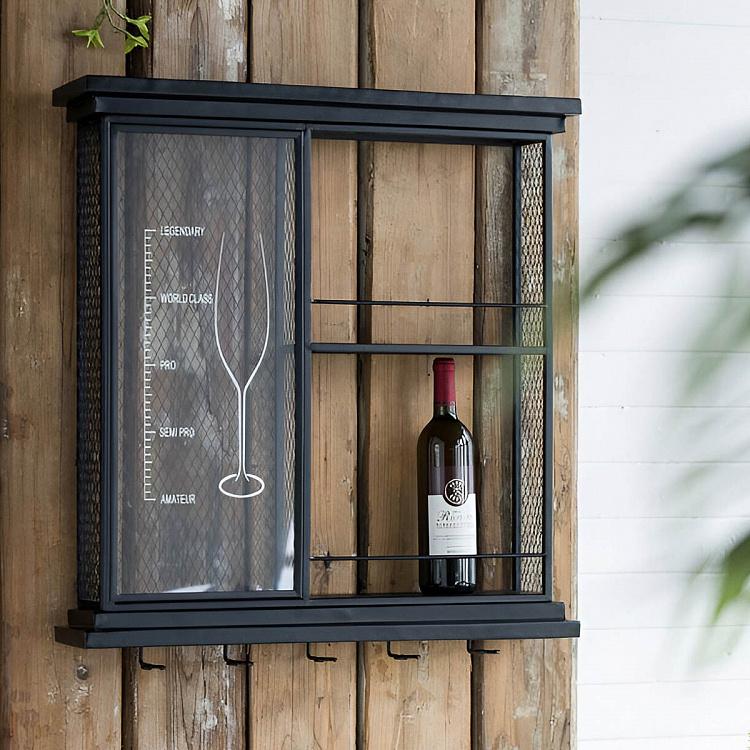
(452, 520)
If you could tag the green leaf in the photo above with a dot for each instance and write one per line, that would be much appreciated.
(735, 575)
(141, 23)
(92, 36)
(130, 45)
(132, 41)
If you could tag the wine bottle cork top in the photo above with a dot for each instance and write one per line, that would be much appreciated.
(445, 380)
(444, 363)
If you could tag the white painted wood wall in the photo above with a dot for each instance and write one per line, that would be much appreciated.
(664, 470)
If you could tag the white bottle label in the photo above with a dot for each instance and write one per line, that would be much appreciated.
(452, 521)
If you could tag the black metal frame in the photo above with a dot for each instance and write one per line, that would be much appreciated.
(304, 113)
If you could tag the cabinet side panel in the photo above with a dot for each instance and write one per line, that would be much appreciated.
(89, 360)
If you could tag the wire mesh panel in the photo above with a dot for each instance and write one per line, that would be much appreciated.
(205, 247)
(531, 483)
(89, 355)
(531, 368)
(532, 244)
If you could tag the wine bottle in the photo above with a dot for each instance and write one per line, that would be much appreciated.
(447, 503)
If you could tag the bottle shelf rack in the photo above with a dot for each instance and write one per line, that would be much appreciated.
(289, 118)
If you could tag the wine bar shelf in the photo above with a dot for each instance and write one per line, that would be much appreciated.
(200, 341)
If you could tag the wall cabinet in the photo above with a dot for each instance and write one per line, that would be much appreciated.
(201, 339)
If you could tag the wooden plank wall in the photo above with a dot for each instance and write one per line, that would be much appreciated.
(55, 697)
(52, 697)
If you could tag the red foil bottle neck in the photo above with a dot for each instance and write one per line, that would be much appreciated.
(445, 381)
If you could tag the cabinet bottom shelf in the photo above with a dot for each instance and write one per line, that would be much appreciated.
(318, 624)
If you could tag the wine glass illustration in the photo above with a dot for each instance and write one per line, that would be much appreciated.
(242, 483)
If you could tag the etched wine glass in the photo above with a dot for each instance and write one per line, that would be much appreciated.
(242, 483)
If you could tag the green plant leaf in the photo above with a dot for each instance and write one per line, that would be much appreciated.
(92, 36)
(141, 23)
(735, 575)
(132, 41)
(687, 209)
(682, 210)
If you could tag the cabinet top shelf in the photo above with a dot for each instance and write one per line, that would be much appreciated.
(313, 106)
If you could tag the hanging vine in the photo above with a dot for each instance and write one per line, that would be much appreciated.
(135, 31)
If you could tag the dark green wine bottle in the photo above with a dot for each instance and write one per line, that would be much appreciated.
(447, 509)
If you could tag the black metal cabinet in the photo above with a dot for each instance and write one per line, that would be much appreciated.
(195, 351)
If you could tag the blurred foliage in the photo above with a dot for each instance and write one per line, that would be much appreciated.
(684, 210)
(692, 209)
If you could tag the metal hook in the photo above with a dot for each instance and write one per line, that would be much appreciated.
(148, 666)
(318, 659)
(246, 662)
(399, 657)
(473, 650)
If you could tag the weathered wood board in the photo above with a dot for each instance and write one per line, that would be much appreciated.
(494, 376)
(295, 702)
(52, 696)
(421, 245)
(524, 697)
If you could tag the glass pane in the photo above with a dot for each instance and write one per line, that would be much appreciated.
(205, 369)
